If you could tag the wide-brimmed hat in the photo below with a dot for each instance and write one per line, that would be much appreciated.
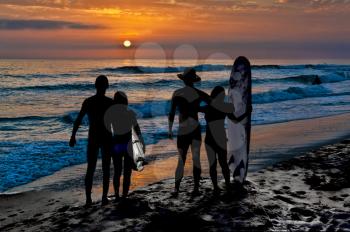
(190, 75)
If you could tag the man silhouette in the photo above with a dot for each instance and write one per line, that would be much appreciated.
(187, 100)
(99, 137)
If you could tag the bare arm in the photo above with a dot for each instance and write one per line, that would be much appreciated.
(77, 123)
(204, 97)
(240, 118)
(139, 134)
(172, 116)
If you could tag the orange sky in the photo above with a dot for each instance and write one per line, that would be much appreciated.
(96, 29)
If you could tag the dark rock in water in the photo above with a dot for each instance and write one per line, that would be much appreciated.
(303, 211)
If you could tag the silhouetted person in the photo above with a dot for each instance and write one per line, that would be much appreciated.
(187, 100)
(216, 139)
(99, 137)
(121, 120)
(317, 81)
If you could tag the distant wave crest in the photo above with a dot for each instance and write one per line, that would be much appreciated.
(169, 69)
(306, 79)
(291, 93)
(206, 68)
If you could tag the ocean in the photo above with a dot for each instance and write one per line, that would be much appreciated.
(40, 100)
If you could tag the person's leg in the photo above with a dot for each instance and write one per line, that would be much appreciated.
(92, 153)
(212, 164)
(195, 147)
(128, 162)
(182, 146)
(117, 164)
(106, 164)
(222, 157)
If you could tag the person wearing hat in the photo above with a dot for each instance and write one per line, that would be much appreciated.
(187, 100)
(98, 138)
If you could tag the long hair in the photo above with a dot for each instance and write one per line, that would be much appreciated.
(241, 60)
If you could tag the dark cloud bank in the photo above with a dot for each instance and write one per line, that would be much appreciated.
(10, 24)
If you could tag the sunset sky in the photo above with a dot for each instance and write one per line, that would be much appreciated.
(97, 29)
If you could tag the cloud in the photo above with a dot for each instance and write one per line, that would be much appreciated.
(126, 4)
(314, 3)
(11, 24)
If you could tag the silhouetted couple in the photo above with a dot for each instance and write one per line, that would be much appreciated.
(110, 126)
(189, 102)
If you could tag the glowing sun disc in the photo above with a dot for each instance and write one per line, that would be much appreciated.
(127, 43)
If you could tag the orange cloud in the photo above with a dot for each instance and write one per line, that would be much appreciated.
(210, 25)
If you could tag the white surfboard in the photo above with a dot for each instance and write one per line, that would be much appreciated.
(138, 154)
(238, 133)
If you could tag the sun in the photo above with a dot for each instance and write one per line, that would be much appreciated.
(127, 43)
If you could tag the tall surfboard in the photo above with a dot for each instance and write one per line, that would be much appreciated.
(238, 133)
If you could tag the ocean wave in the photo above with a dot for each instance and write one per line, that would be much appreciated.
(91, 86)
(165, 83)
(26, 118)
(160, 108)
(292, 93)
(307, 79)
(151, 109)
(304, 66)
(76, 86)
(70, 117)
(175, 83)
(209, 68)
(175, 69)
(39, 75)
(169, 69)
(30, 161)
(144, 110)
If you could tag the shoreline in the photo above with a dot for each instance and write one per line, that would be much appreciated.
(308, 192)
(269, 141)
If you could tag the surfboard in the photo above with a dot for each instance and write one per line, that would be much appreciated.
(138, 154)
(238, 133)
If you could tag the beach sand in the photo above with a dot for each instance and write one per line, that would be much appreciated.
(311, 191)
